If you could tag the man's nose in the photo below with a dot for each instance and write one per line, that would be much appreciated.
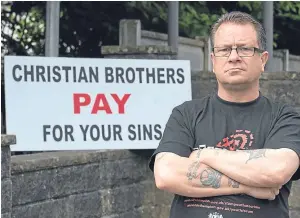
(234, 56)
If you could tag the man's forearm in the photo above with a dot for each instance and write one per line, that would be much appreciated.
(258, 168)
(210, 182)
(189, 177)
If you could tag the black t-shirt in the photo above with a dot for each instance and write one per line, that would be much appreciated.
(214, 122)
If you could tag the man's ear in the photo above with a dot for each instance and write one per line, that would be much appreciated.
(264, 58)
(212, 57)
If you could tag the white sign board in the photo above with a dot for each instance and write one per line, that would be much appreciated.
(82, 104)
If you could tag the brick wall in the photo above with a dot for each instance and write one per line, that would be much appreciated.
(6, 184)
(106, 184)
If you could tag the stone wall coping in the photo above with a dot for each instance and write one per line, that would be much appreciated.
(203, 74)
(164, 37)
(278, 54)
(291, 75)
(50, 160)
(294, 57)
(7, 140)
(143, 49)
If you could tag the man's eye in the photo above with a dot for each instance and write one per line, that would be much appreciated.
(245, 49)
(224, 49)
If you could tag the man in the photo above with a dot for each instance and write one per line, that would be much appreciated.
(252, 144)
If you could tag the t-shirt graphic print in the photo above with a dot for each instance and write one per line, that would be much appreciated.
(239, 140)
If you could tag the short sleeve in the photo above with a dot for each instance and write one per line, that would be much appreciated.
(286, 133)
(177, 136)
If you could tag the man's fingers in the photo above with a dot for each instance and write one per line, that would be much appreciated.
(276, 191)
(273, 195)
(272, 198)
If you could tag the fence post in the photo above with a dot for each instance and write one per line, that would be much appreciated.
(286, 63)
(206, 53)
(52, 29)
(130, 33)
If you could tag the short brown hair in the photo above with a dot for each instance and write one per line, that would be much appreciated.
(241, 18)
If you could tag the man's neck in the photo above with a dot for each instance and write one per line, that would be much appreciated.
(238, 96)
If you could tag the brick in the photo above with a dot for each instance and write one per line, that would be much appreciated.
(124, 172)
(5, 162)
(202, 88)
(6, 215)
(64, 207)
(50, 160)
(7, 140)
(285, 91)
(6, 198)
(148, 56)
(87, 205)
(76, 179)
(45, 209)
(121, 199)
(33, 186)
(138, 52)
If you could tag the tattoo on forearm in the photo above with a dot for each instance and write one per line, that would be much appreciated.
(255, 154)
(208, 177)
(198, 153)
(211, 177)
(232, 183)
(193, 169)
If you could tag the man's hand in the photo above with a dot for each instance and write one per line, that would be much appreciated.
(262, 193)
(256, 192)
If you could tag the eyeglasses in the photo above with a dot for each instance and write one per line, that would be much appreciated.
(242, 51)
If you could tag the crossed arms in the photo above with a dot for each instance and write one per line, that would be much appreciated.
(214, 172)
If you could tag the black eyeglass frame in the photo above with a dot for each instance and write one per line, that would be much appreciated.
(254, 50)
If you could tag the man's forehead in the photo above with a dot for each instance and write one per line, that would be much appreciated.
(235, 40)
(229, 33)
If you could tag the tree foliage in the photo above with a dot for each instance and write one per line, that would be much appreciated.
(85, 26)
(22, 27)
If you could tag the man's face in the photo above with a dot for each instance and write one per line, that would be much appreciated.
(235, 71)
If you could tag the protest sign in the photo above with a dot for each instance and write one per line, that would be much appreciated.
(55, 103)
